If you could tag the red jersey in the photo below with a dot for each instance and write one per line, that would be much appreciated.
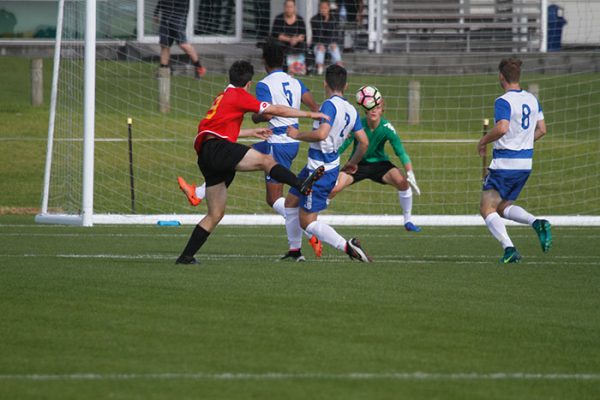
(224, 119)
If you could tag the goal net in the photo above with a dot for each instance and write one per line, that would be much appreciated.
(435, 62)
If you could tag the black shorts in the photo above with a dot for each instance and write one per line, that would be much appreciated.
(172, 29)
(217, 160)
(373, 171)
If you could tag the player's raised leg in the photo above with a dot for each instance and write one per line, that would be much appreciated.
(343, 181)
(541, 226)
(255, 161)
(191, 190)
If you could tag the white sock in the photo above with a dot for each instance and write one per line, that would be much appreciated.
(279, 206)
(327, 234)
(518, 214)
(405, 197)
(498, 229)
(201, 191)
(292, 227)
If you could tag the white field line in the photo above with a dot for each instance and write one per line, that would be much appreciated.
(400, 228)
(401, 235)
(383, 259)
(284, 376)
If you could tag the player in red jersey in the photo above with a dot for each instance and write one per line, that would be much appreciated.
(219, 156)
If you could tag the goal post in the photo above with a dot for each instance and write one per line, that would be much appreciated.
(85, 218)
(106, 70)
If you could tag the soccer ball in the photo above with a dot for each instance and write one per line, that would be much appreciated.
(368, 97)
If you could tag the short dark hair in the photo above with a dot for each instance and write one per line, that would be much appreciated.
(240, 73)
(273, 54)
(336, 76)
(510, 68)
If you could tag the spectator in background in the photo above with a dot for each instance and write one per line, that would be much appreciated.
(173, 16)
(290, 30)
(326, 36)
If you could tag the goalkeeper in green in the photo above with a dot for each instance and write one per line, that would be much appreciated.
(376, 165)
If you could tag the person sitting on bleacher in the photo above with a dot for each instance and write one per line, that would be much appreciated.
(289, 28)
(326, 36)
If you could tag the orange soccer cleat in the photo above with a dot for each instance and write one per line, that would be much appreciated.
(189, 191)
(316, 245)
(199, 72)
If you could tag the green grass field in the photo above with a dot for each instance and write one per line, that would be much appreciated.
(103, 312)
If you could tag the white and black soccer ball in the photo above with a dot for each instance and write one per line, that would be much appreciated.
(368, 97)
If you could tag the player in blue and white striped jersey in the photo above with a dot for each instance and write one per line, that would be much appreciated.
(302, 211)
(519, 122)
(279, 88)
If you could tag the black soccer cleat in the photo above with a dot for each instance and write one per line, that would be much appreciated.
(293, 255)
(356, 252)
(306, 187)
(186, 260)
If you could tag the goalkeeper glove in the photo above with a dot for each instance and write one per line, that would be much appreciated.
(410, 177)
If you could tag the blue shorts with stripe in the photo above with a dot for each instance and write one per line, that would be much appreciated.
(317, 200)
(283, 153)
(508, 183)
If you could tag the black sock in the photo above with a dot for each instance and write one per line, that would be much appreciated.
(164, 65)
(284, 175)
(199, 236)
(197, 63)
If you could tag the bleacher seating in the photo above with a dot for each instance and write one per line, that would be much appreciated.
(461, 25)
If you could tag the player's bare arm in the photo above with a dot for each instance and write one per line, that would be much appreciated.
(312, 136)
(307, 99)
(285, 111)
(496, 133)
(540, 130)
(361, 148)
(261, 133)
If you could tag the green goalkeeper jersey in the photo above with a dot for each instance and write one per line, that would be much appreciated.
(377, 138)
